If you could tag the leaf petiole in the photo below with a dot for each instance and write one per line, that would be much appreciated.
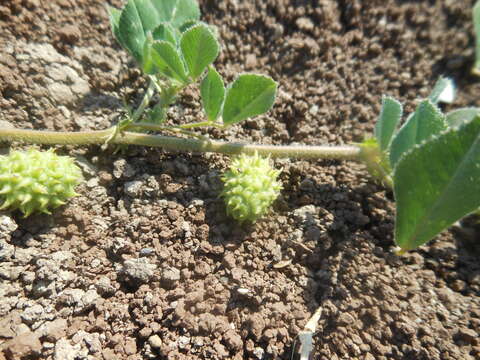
(145, 101)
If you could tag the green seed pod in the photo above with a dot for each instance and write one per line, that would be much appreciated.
(250, 187)
(35, 180)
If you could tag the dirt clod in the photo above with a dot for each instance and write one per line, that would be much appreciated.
(23, 346)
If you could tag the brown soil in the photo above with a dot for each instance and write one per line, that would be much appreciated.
(145, 265)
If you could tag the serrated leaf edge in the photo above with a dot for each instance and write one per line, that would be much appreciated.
(396, 130)
(182, 61)
(261, 75)
(402, 128)
(220, 111)
(219, 46)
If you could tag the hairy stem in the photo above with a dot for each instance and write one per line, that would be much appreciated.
(157, 127)
(199, 124)
(341, 152)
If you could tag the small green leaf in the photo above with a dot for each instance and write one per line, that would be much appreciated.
(199, 48)
(212, 90)
(161, 56)
(185, 10)
(461, 116)
(425, 122)
(443, 91)
(436, 184)
(130, 30)
(249, 95)
(476, 25)
(390, 116)
(165, 32)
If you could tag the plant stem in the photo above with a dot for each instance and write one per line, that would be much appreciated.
(145, 101)
(179, 129)
(199, 124)
(157, 127)
(341, 152)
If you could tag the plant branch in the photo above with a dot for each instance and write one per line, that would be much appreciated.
(341, 152)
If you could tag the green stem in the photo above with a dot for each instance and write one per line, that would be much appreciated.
(145, 101)
(342, 152)
(199, 124)
(159, 128)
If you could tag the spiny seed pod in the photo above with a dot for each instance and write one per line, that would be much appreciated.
(35, 180)
(250, 187)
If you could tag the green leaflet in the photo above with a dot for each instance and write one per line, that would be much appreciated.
(436, 184)
(461, 116)
(386, 125)
(130, 30)
(161, 56)
(212, 91)
(199, 49)
(443, 91)
(249, 95)
(425, 122)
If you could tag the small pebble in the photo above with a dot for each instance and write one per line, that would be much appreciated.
(155, 341)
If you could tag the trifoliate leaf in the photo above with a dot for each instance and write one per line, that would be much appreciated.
(140, 17)
(386, 125)
(199, 49)
(425, 122)
(249, 95)
(437, 183)
(212, 91)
